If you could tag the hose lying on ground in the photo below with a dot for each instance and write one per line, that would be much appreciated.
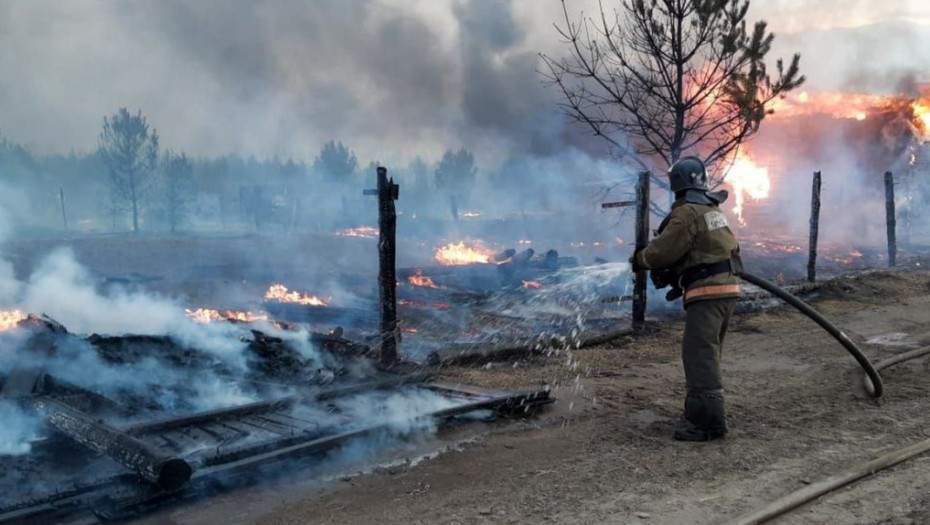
(878, 386)
(815, 490)
(900, 358)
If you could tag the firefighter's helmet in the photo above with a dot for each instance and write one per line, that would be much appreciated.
(688, 173)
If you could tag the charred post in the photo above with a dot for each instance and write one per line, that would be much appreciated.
(815, 229)
(890, 219)
(642, 239)
(387, 193)
(166, 472)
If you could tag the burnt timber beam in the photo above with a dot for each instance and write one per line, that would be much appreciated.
(259, 407)
(167, 472)
(120, 496)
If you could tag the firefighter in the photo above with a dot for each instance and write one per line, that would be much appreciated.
(695, 252)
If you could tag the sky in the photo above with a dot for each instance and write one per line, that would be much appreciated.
(391, 79)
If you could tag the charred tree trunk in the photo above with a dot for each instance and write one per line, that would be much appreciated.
(815, 229)
(387, 193)
(168, 473)
(890, 219)
(642, 239)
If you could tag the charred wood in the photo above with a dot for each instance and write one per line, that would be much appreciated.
(891, 220)
(814, 229)
(642, 239)
(168, 473)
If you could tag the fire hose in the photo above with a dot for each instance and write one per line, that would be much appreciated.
(795, 499)
(877, 386)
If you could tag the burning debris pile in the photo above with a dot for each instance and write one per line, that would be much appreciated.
(478, 269)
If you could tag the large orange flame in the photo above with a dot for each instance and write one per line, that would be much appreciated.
(10, 319)
(837, 105)
(747, 180)
(856, 106)
(279, 292)
(458, 254)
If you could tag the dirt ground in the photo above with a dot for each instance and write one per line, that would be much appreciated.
(604, 454)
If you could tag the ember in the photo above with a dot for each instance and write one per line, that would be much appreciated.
(420, 304)
(454, 254)
(207, 315)
(418, 279)
(365, 232)
(279, 293)
(770, 247)
(532, 284)
(10, 319)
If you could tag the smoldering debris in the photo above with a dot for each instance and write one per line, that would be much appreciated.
(101, 419)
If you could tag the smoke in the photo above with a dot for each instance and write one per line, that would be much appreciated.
(17, 430)
(61, 288)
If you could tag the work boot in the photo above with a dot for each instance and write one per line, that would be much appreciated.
(704, 419)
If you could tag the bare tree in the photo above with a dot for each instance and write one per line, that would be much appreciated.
(658, 79)
(130, 151)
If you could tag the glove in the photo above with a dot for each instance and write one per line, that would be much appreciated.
(661, 277)
(674, 293)
(634, 263)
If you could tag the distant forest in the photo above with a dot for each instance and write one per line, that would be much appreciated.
(131, 184)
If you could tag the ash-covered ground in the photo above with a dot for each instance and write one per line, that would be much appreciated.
(124, 303)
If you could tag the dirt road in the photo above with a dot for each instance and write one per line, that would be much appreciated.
(603, 453)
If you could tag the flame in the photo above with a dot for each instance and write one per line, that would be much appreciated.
(856, 106)
(457, 254)
(10, 319)
(365, 232)
(921, 110)
(418, 279)
(278, 292)
(747, 180)
(207, 315)
(837, 105)
(532, 284)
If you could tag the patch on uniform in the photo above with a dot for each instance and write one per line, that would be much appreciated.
(715, 220)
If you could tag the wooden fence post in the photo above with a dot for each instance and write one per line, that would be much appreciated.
(814, 230)
(642, 239)
(890, 219)
(387, 193)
